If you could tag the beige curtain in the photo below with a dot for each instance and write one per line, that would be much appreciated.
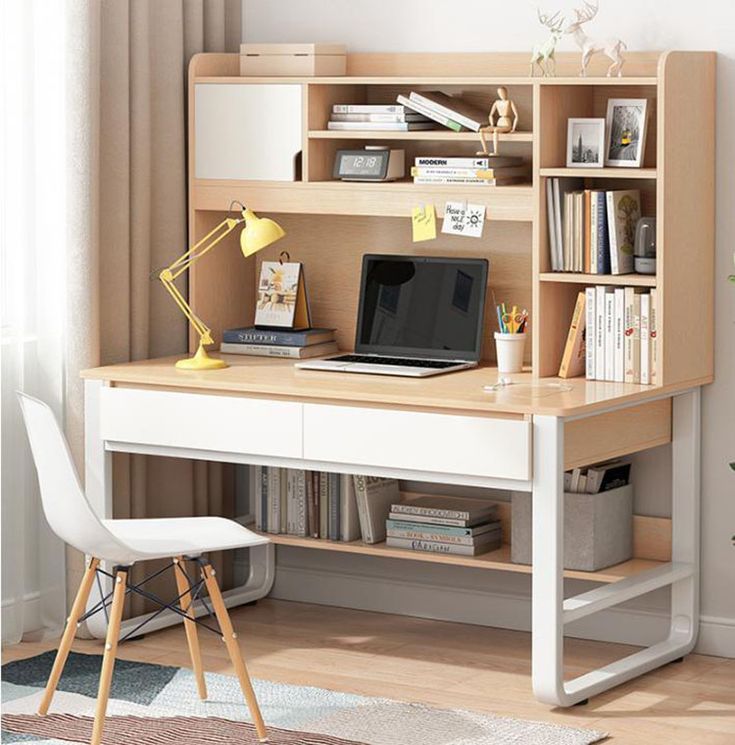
(132, 92)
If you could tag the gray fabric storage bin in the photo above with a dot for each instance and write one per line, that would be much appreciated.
(598, 529)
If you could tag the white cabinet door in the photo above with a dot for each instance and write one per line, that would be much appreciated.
(438, 443)
(202, 422)
(249, 132)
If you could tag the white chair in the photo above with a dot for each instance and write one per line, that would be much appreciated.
(122, 543)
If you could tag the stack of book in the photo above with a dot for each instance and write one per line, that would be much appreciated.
(377, 117)
(444, 525)
(312, 504)
(499, 170)
(591, 230)
(286, 343)
(598, 478)
(613, 336)
(450, 111)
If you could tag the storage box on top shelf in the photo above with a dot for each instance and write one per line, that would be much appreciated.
(292, 59)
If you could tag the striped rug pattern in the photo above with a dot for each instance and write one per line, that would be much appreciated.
(159, 731)
(158, 705)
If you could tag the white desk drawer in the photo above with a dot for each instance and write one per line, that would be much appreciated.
(202, 422)
(440, 443)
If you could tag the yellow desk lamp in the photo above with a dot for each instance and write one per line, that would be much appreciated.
(258, 233)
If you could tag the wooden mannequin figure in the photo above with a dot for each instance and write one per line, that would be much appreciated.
(504, 108)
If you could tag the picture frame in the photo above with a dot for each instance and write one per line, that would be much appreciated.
(585, 143)
(626, 124)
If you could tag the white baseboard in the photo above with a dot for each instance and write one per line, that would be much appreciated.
(487, 608)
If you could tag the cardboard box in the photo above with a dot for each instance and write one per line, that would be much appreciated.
(598, 529)
(292, 59)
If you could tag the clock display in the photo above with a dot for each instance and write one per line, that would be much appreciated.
(362, 165)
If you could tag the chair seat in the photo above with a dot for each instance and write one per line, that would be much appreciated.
(190, 536)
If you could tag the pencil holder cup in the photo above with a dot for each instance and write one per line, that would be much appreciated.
(509, 349)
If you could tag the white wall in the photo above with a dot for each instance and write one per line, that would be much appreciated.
(498, 25)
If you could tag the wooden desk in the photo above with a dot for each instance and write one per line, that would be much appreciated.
(446, 429)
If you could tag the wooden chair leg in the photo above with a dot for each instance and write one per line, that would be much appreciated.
(77, 610)
(192, 636)
(230, 639)
(108, 661)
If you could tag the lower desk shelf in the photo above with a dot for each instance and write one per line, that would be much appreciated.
(498, 560)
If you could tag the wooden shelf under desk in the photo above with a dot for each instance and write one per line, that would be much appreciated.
(498, 560)
(579, 278)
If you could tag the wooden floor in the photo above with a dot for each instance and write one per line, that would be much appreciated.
(451, 665)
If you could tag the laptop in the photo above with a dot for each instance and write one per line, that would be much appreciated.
(418, 316)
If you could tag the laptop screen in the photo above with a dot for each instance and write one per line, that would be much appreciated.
(415, 306)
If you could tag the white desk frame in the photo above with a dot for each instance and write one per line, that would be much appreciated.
(551, 612)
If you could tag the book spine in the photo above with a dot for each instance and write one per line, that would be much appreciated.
(603, 236)
(361, 108)
(610, 336)
(261, 350)
(439, 548)
(256, 504)
(323, 481)
(612, 233)
(399, 523)
(587, 259)
(447, 521)
(435, 116)
(270, 338)
(590, 333)
(291, 509)
(466, 180)
(380, 126)
(551, 224)
(408, 509)
(430, 535)
(654, 343)
(593, 205)
(571, 348)
(628, 360)
(432, 161)
(310, 504)
(601, 292)
(456, 116)
(619, 364)
(264, 501)
(409, 117)
(362, 512)
(283, 479)
(446, 172)
(302, 517)
(274, 500)
(333, 489)
(645, 339)
(636, 338)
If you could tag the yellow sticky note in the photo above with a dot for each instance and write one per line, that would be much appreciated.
(423, 223)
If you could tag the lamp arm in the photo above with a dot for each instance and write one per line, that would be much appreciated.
(178, 267)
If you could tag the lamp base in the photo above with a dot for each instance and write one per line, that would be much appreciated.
(201, 361)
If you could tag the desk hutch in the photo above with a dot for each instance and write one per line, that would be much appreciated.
(448, 429)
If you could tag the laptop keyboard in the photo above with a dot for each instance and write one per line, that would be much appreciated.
(401, 361)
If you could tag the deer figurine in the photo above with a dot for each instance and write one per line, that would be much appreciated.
(612, 48)
(543, 54)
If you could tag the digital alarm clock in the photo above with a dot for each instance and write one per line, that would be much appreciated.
(373, 163)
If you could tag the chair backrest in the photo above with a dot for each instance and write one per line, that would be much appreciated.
(65, 505)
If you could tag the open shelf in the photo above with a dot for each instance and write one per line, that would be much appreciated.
(623, 280)
(439, 135)
(498, 560)
(622, 173)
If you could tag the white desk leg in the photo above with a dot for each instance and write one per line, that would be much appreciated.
(551, 611)
(98, 487)
(547, 623)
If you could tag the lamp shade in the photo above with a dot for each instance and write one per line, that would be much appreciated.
(258, 233)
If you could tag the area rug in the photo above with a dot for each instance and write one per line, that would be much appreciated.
(157, 705)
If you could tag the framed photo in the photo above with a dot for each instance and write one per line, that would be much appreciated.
(626, 132)
(585, 143)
